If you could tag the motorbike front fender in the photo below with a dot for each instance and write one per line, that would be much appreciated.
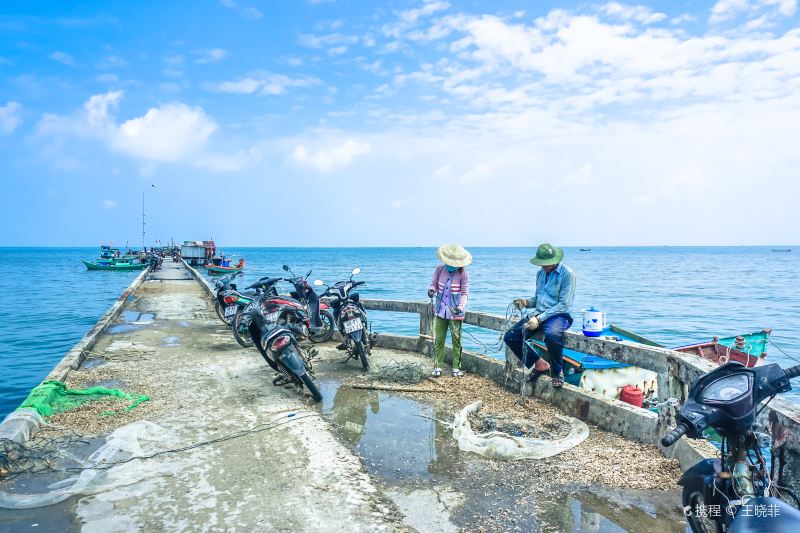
(701, 478)
(706, 467)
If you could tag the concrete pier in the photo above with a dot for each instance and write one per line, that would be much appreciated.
(233, 452)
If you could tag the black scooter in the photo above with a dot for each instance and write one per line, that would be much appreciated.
(736, 493)
(321, 317)
(351, 318)
(275, 325)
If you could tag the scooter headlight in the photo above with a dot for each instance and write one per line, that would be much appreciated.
(728, 389)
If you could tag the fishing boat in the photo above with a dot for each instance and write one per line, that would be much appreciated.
(749, 349)
(113, 265)
(585, 249)
(217, 268)
(607, 377)
(604, 376)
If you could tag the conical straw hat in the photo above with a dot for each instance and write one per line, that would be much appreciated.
(454, 255)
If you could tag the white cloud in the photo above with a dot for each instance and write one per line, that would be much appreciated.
(211, 56)
(409, 19)
(166, 133)
(111, 62)
(479, 172)
(262, 83)
(109, 204)
(248, 12)
(173, 132)
(641, 14)
(63, 58)
(725, 10)
(10, 117)
(329, 157)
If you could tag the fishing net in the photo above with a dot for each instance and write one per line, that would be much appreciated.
(406, 372)
(53, 397)
(499, 445)
(111, 466)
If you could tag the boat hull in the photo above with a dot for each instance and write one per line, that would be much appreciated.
(214, 270)
(120, 267)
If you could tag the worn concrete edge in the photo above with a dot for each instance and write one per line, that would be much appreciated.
(75, 357)
(201, 280)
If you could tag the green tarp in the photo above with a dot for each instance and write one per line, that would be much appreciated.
(53, 397)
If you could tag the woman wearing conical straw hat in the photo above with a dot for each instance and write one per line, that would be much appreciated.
(450, 290)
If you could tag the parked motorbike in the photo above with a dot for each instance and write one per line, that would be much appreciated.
(351, 318)
(240, 324)
(322, 321)
(725, 495)
(275, 325)
(155, 262)
(223, 285)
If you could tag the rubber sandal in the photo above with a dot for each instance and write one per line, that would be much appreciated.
(457, 373)
(437, 372)
(558, 381)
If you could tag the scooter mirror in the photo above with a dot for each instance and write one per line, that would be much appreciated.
(356, 270)
(286, 268)
(318, 282)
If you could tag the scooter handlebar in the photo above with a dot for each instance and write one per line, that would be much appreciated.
(672, 437)
(793, 371)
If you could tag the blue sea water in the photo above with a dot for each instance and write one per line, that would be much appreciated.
(672, 295)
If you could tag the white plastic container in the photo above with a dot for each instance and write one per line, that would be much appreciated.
(594, 321)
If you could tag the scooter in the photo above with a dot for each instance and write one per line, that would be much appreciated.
(322, 321)
(275, 326)
(351, 318)
(240, 324)
(725, 495)
(223, 285)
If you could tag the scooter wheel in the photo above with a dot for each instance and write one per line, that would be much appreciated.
(326, 331)
(311, 384)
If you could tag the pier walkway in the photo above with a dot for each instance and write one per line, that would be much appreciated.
(247, 456)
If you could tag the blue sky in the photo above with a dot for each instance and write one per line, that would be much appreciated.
(333, 123)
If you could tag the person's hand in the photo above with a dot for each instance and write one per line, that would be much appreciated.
(520, 303)
(431, 292)
(532, 324)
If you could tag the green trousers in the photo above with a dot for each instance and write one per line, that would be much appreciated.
(440, 326)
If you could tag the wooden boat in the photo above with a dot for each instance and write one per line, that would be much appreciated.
(216, 269)
(113, 265)
(749, 349)
(585, 249)
(607, 377)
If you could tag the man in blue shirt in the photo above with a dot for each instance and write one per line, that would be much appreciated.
(555, 291)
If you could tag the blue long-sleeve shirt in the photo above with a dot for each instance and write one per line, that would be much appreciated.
(554, 292)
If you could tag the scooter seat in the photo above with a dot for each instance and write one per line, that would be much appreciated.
(766, 515)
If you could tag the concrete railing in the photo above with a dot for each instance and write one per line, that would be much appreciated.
(675, 371)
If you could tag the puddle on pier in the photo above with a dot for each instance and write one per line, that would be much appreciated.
(92, 362)
(132, 321)
(171, 342)
(405, 444)
(396, 436)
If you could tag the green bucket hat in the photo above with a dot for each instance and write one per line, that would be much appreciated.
(547, 254)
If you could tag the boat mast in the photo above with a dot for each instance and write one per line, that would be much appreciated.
(143, 244)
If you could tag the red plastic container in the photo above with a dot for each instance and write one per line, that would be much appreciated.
(632, 394)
